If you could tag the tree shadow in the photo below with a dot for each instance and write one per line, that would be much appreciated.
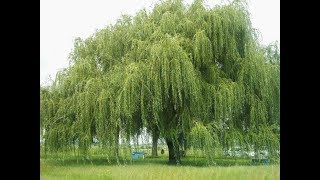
(162, 160)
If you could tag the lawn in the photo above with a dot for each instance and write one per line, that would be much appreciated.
(155, 168)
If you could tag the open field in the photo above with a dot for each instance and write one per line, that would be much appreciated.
(155, 168)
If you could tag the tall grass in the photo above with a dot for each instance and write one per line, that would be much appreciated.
(157, 171)
(67, 165)
(98, 167)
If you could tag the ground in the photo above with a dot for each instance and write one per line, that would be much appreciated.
(155, 168)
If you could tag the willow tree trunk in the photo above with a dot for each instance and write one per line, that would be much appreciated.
(155, 137)
(174, 155)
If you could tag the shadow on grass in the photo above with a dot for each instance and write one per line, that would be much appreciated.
(161, 160)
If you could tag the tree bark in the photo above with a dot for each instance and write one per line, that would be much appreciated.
(174, 155)
(155, 137)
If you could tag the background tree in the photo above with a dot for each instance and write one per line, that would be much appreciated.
(195, 76)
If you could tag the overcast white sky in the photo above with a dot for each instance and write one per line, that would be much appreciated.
(61, 21)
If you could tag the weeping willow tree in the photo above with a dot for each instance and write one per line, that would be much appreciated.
(197, 77)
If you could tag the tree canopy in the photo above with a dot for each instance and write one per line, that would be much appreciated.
(194, 72)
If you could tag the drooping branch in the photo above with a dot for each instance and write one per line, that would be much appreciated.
(168, 69)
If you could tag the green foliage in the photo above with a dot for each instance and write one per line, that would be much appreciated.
(162, 70)
(205, 139)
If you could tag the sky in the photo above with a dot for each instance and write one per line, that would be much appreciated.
(61, 21)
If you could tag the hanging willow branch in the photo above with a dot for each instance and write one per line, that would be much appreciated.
(162, 71)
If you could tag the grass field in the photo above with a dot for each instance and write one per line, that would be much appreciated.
(155, 168)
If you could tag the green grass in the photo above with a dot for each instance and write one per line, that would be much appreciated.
(154, 168)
